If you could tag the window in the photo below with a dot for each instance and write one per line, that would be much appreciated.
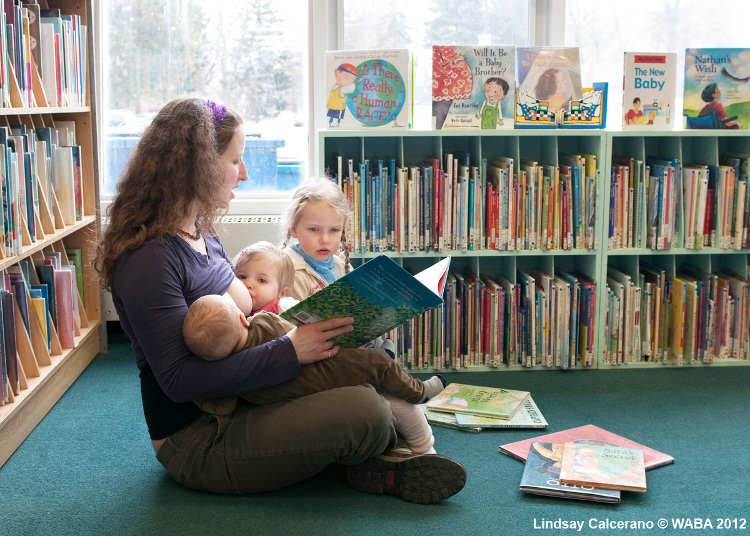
(419, 25)
(246, 54)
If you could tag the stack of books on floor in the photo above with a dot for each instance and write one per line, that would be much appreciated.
(472, 408)
(586, 463)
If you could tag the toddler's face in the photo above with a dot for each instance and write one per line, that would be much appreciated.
(319, 230)
(261, 279)
(493, 92)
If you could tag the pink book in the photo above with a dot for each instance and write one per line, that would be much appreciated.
(64, 302)
(652, 458)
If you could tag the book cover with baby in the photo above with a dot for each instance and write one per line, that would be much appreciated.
(473, 86)
(648, 97)
(369, 89)
(717, 92)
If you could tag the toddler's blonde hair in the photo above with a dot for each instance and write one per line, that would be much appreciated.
(311, 191)
(268, 252)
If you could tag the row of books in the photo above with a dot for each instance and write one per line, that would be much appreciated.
(40, 182)
(473, 87)
(543, 320)
(43, 45)
(40, 312)
(690, 317)
(454, 204)
(662, 203)
(504, 86)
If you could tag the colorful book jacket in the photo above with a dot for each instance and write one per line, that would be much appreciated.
(473, 86)
(488, 401)
(541, 476)
(446, 420)
(548, 80)
(648, 99)
(717, 93)
(652, 458)
(369, 89)
(527, 416)
(603, 466)
(379, 294)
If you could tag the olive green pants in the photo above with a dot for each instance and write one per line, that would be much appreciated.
(265, 448)
(350, 366)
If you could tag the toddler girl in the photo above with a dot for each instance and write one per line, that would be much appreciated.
(317, 216)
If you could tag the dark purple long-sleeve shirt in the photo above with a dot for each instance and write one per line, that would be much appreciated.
(152, 288)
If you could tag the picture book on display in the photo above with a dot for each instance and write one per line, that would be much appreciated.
(603, 466)
(369, 89)
(648, 98)
(548, 80)
(593, 434)
(541, 476)
(717, 88)
(379, 295)
(473, 86)
(488, 401)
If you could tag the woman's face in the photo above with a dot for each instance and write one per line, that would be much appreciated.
(234, 168)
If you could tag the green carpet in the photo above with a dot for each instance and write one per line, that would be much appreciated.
(88, 468)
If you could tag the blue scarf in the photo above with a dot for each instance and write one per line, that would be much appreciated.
(324, 269)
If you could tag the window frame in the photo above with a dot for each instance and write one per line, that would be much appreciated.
(325, 32)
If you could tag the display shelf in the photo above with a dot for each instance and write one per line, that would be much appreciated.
(544, 145)
(689, 147)
(45, 373)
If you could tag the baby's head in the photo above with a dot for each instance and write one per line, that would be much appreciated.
(266, 271)
(214, 327)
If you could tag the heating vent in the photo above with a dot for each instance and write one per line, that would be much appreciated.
(251, 219)
(236, 232)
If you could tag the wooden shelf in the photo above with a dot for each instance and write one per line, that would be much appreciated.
(17, 420)
(48, 372)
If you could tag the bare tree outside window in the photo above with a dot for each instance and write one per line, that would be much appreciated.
(245, 54)
(419, 25)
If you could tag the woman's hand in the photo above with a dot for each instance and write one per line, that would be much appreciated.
(312, 342)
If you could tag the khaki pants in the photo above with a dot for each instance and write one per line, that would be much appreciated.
(350, 366)
(265, 448)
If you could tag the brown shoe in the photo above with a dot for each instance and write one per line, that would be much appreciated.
(421, 479)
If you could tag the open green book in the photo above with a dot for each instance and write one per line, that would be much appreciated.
(379, 295)
(488, 401)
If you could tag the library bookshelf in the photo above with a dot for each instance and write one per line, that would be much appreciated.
(46, 372)
(545, 146)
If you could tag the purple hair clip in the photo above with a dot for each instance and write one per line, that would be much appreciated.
(218, 112)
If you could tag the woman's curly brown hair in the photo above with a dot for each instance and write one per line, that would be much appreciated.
(174, 171)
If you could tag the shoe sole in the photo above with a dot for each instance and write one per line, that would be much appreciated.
(425, 479)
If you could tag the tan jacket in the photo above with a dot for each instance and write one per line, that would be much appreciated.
(306, 279)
